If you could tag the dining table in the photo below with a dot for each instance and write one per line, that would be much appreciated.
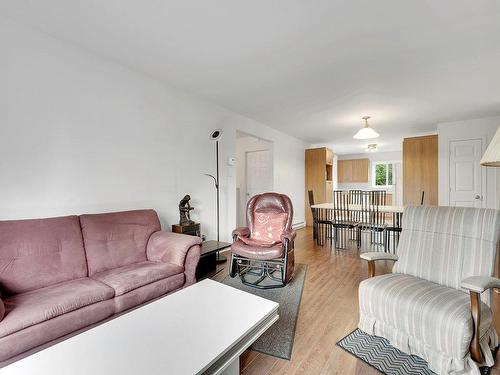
(358, 207)
(325, 210)
(324, 213)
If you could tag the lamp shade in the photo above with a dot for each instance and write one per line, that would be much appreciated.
(491, 157)
(366, 133)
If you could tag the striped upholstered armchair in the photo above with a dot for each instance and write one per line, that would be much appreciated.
(436, 302)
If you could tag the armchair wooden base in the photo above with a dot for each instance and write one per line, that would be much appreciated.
(475, 348)
(371, 257)
(477, 285)
(371, 268)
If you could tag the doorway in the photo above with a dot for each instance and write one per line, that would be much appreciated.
(467, 178)
(254, 170)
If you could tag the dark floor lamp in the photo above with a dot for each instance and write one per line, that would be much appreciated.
(214, 137)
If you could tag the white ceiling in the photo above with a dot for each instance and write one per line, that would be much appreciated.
(309, 68)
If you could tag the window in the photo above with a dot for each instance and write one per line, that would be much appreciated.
(383, 173)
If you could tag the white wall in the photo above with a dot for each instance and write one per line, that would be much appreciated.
(394, 156)
(82, 134)
(469, 129)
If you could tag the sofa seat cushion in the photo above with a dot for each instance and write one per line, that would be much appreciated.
(257, 252)
(149, 292)
(37, 306)
(419, 311)
(127, 278)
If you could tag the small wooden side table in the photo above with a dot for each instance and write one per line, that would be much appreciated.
(192, 230)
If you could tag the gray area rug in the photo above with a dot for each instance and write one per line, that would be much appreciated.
(278, 339)
(378, 353)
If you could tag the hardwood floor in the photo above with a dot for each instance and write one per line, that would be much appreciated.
(328, 311)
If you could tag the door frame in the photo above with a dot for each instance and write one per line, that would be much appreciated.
(481, 169)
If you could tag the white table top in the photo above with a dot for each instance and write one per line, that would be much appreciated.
(182, 333)
(357, 207)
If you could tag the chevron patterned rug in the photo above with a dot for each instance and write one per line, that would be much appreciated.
(378, 353)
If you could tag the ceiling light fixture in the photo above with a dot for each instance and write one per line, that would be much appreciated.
(366, 132)
(372, 147)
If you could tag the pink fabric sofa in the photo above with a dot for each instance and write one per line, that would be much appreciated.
(60, 275)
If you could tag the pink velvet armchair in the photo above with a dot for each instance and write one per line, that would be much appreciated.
(264, 249)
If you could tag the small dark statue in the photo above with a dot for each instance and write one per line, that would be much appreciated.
(184, 211)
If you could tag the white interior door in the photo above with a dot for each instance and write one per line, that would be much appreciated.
(259, 172)
(466, 175)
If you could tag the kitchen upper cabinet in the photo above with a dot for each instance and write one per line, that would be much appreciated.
(420, 170)
(353, 170)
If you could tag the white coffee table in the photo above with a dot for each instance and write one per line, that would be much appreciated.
(202, 329)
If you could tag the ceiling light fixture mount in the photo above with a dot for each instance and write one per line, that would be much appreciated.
(372, 147)
(366, 132)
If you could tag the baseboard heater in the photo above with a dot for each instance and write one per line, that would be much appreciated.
(298, 225)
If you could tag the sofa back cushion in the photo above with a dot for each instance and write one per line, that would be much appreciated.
(447, 244)
(40, 252)
(117, 239)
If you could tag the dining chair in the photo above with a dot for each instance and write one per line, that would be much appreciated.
(342, 220)
(379, 197)
(371, 218)
(313, 213)
(320, 223)
(393, 230)
(355, 196)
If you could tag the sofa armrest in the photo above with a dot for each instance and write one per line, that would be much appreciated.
(170, 247)
(479, 284)
(241, 232)
(175, 248)
(289, 235)
(371, 257)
